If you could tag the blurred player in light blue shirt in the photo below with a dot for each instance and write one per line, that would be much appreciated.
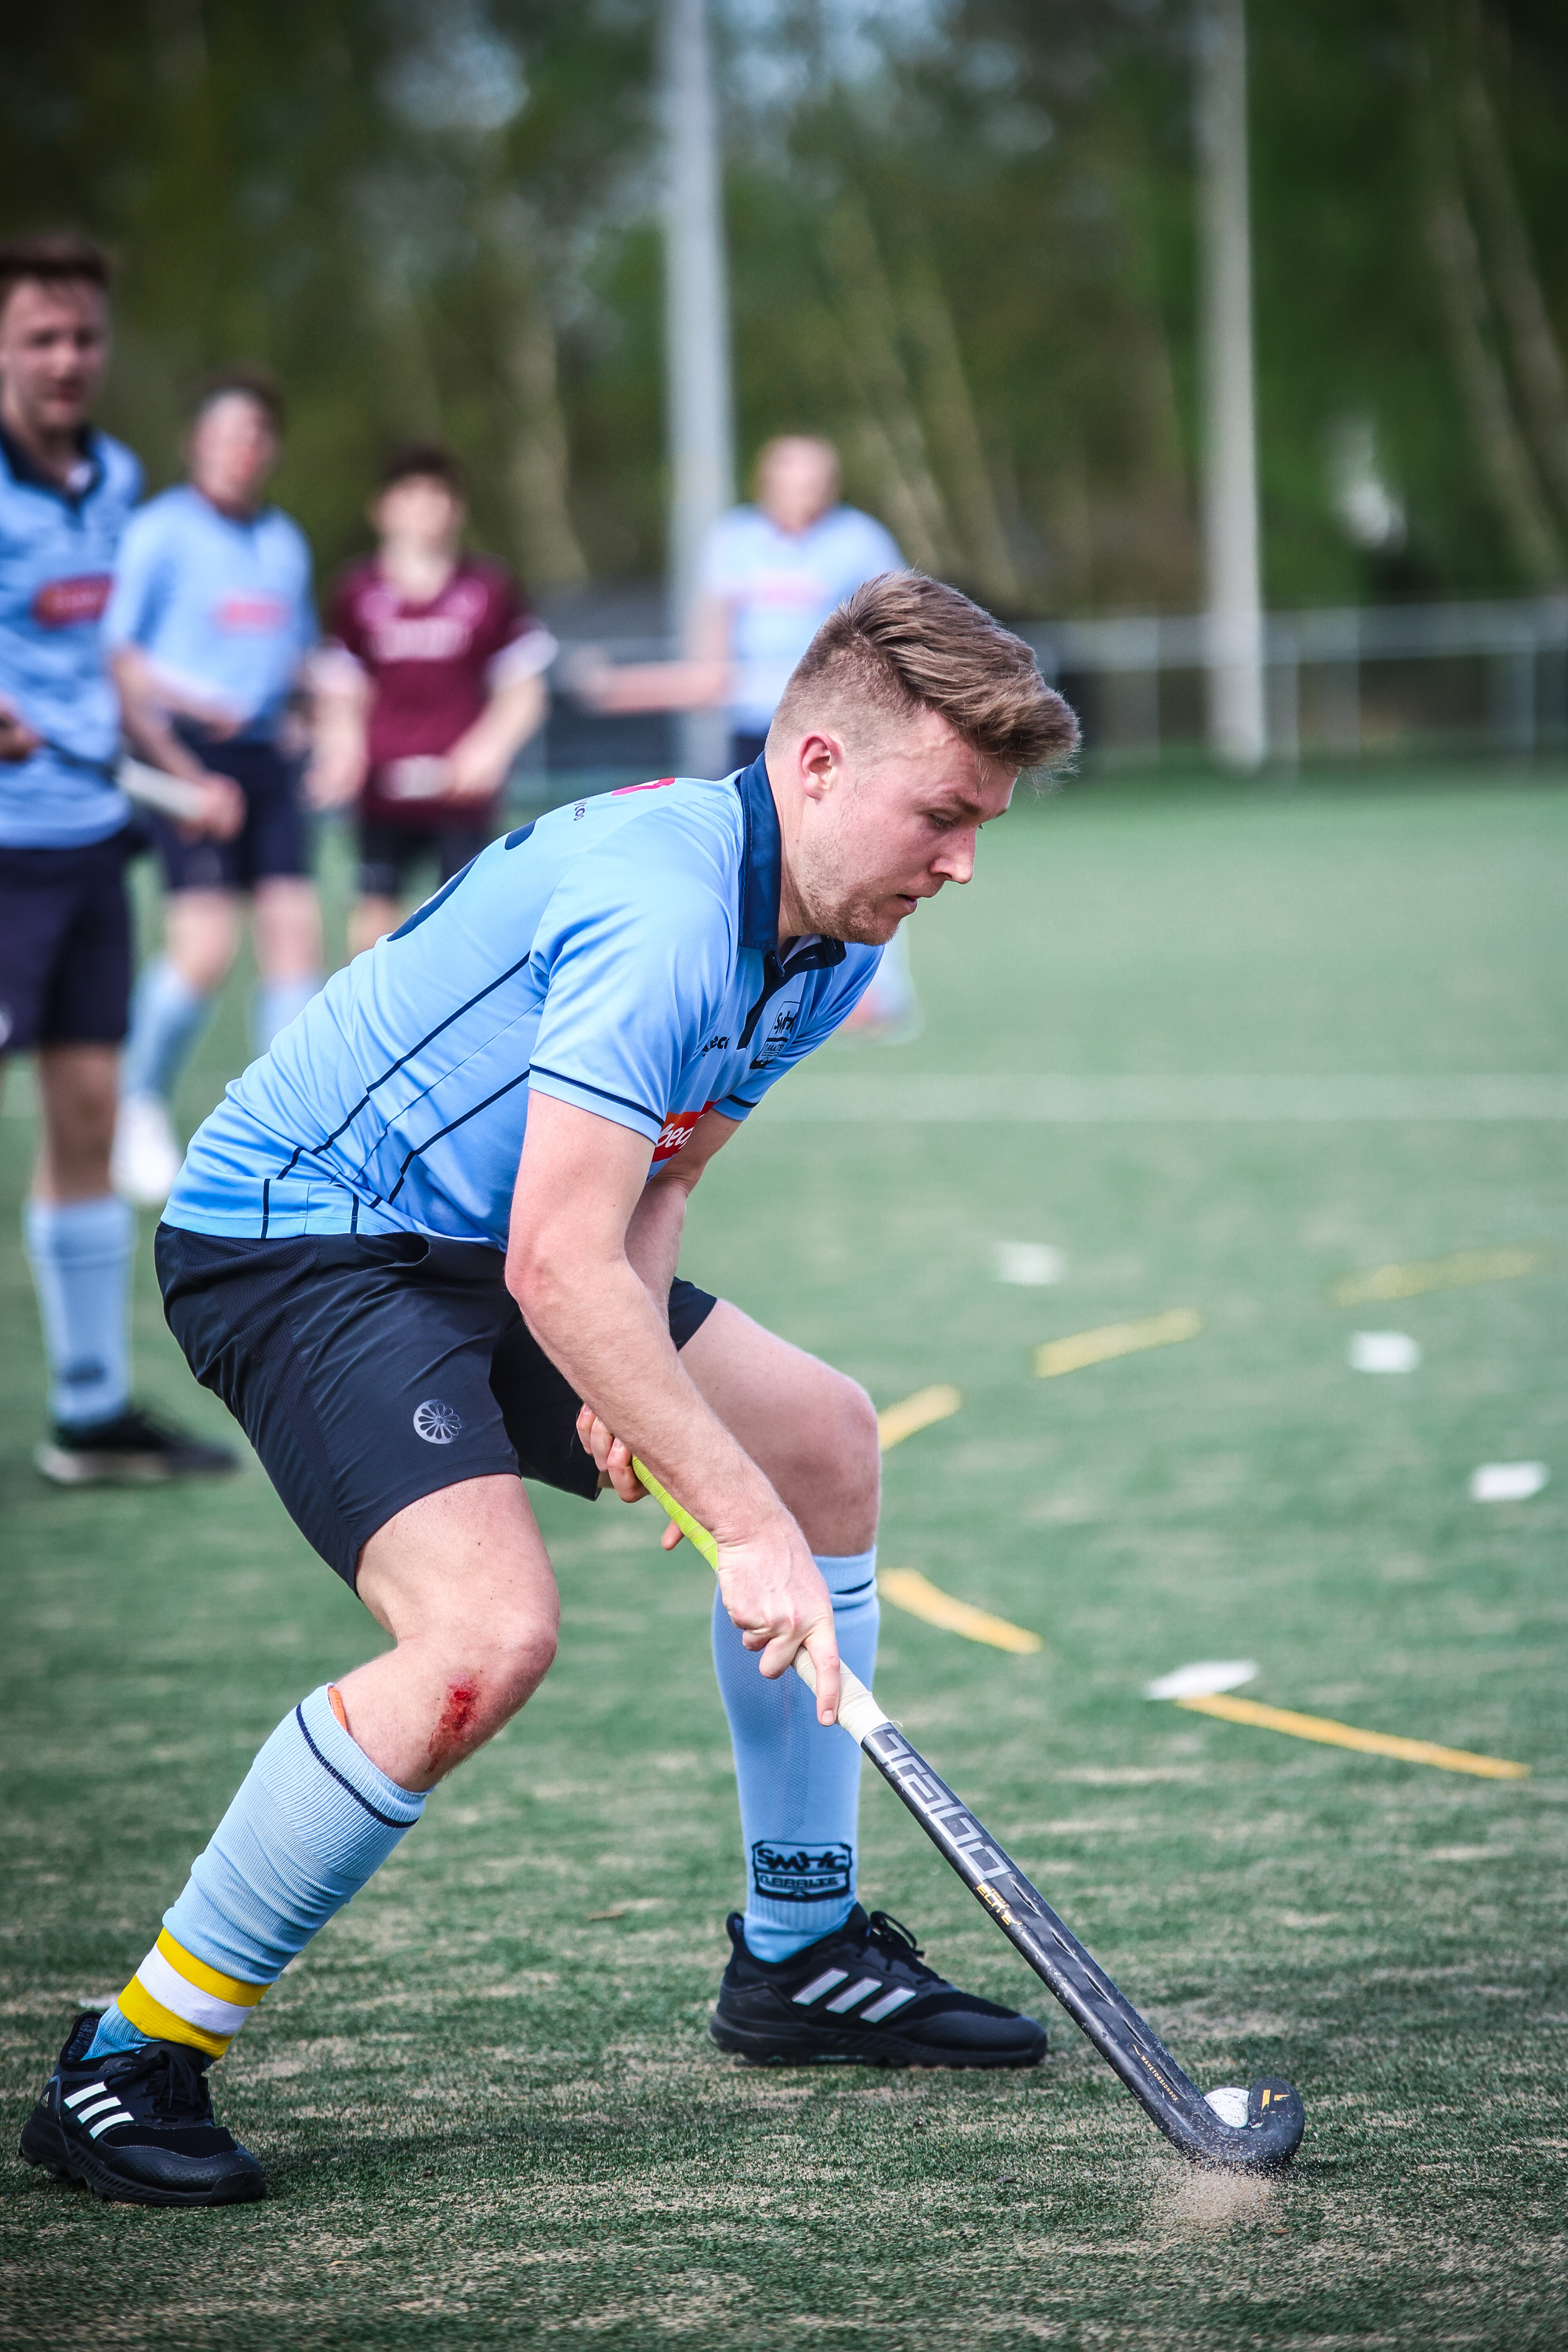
(771, 574)
(209, 625)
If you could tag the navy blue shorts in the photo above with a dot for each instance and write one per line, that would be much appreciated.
(65, 945)
(388, 852)
(275, 838)
(368, 1370)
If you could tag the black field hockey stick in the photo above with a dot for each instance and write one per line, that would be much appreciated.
(1275, 2118)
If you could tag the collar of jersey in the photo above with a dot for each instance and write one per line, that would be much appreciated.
(24, 471)
(762, 859)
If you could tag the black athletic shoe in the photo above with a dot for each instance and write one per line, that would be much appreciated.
(137, 2127)
(864, 1996)
(134, 1448)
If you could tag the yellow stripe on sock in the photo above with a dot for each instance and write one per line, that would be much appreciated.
(206, 1979)
(161, 2025)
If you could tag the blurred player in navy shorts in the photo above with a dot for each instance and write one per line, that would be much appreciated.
(771, 574)
(66, 491)
(431, 682)
(209, 625)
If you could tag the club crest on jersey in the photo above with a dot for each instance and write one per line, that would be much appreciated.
(802, 1873)
(437, 1422)
(672, 1135)
(777, 1037)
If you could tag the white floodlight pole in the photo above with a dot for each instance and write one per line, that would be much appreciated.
(1237, 720)
(697, 336)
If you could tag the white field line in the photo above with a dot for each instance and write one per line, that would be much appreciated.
(1031, 1100)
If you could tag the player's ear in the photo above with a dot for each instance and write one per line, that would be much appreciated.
(820, 761)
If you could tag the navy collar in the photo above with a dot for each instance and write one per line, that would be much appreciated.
(762, 858)
(24, 468)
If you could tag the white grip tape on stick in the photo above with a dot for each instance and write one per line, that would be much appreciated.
(859, 1713)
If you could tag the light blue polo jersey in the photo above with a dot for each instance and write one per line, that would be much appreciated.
(779, 586)
(58, 550)
(620, 954)
(221, 607)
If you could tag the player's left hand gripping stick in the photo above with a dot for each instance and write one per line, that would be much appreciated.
(1275, 2119)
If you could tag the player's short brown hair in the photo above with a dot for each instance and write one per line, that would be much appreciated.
(243, 382)
(423, 461)
(903, 644)
(51, 257)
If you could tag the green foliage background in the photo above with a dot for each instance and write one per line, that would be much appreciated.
(961, 240)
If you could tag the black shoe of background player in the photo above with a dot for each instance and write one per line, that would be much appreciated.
(137, 2127)
(864, 1996)
(133, 1449)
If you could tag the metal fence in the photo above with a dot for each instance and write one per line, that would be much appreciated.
(1345, 682)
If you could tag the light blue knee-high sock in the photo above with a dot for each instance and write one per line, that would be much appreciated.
(275, 1004)
(799, 1784)
(314, 1819)
(167, 1014)
(81, 1253)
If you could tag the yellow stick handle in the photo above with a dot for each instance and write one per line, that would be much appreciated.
(859, 1713)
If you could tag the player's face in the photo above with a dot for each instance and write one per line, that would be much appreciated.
(233, 449)
(882, 829)
(54, 346)
(797, 482)
(420, 512)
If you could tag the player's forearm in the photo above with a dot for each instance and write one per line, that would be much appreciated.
(512, 714)
(653, 1236)
(599, 1324)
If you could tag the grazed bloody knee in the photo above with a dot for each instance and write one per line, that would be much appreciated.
(451, 1740)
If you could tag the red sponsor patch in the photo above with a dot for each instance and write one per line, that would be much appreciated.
(672, 1135)
(657, 786)
(63, 603)
(240, 611)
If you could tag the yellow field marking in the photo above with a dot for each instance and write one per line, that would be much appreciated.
(1423, 1274)
(1345, 1734)
(908, 1588)
(917, 1412)
(1115, 1339)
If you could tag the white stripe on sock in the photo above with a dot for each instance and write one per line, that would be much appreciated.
(121, 2116)
(857, 1991)
(76, 2097)
(187, 2001)
(885, 2006)
(819, 1986)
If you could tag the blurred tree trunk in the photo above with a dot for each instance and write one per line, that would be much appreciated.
(540, 470)
(891, 428)
(950, 410)
(1538, 367)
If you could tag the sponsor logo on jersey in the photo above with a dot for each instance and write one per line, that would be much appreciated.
(672, 1135)
(715, 1045)
(64, 604)
(252, 614)
(430, 637)
(801, 1873)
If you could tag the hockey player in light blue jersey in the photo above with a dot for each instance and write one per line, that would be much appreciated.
(431, 1242)
(65, 492)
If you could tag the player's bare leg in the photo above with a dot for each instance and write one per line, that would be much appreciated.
(461, 1581)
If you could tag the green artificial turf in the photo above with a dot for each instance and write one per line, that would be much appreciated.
(488, 2116)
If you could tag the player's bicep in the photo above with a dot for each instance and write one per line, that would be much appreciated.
(578, 1179)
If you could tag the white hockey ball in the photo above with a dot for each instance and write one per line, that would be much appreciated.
(1229, 2103)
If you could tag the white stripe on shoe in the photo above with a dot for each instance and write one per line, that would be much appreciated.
(888, 2004)
(76, 2097)
(819, 1986)
(856, 1992)
(86, 2114)
(121, 2116)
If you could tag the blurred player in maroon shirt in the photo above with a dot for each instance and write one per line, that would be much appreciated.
(431, 681)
